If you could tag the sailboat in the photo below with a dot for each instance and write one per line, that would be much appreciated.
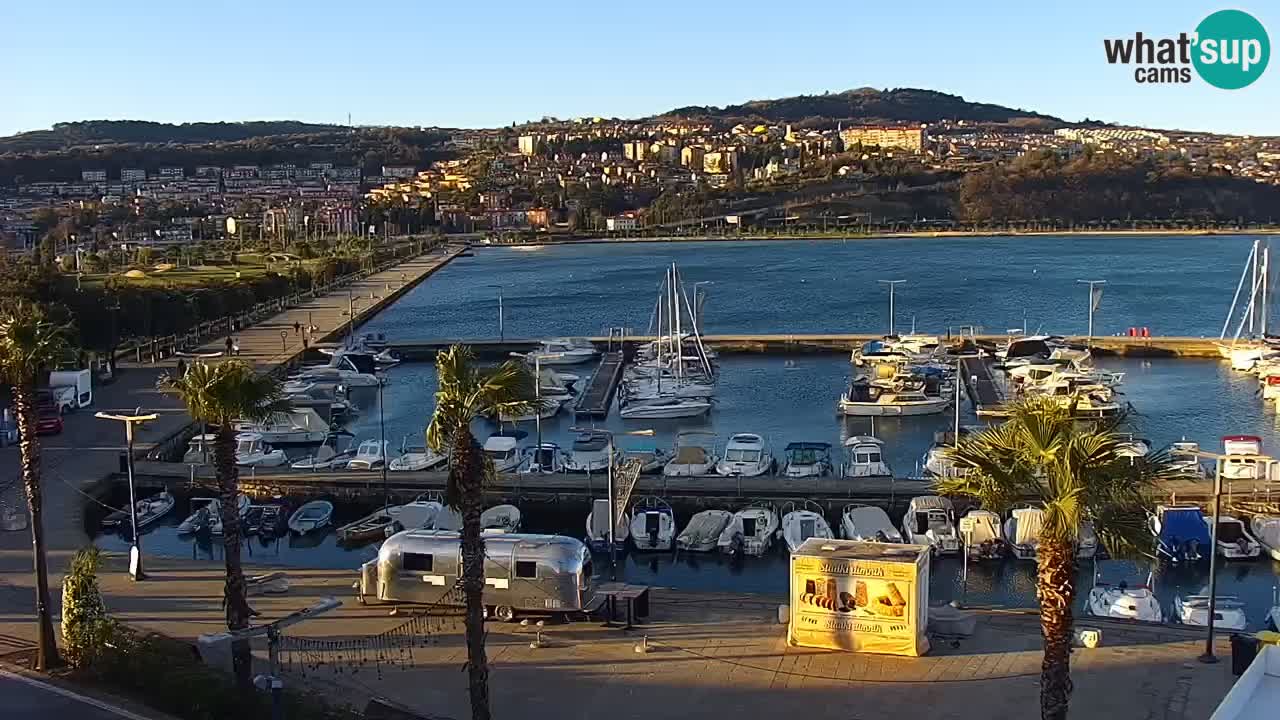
(1245, 354)
(675, 378)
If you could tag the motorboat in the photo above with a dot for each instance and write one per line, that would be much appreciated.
(590, 453)
(504, 518)
(311, 516)
(598, 527)
(745, 456)
(651, 388)
(1245, 358)
(206, 515)
(544, 408)
(750, 531)
(1133, 448)
(1182, 535)
(1228, 611)
(653, 524)
(300, 426)
(867, 523)
(984, 538)
(1084, 400)
(267, 520)
(503, 450)
(1184, 460)
(373, 526)
(1234, 540)
(691, 459)
(543, 459)
(147, 511)
(651, 459)
(415, 456)
(807, 459)
(200, 449)
(1244, 459)
(1125, 602)
(370, 455)
(251, 451)
(864, 458)
(563, 351)
(800, 524)
(665, 408)
(1266, 530)
(702, 534)
(330, 455)
(937, 459)
(386, 521)
(1022, 532)
(928, 521)
(864, 398)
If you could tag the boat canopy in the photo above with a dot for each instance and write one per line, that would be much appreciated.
(807, 453)
(1029, 523)
(986, 526)
(590, 442)
(1179, 525)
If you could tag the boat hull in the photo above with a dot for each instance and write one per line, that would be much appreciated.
(869, 409)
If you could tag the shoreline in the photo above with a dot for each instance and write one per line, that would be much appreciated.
(909, 235)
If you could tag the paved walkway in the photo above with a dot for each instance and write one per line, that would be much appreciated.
(89, 449)
(711, 656)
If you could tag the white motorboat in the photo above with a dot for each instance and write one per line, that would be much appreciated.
(1022, 532)
(1266, 530)
(147, 511)
(651, 459)
(301, 426)
(590, 453)
(1245, 357)
(326, 457)
(206, 515)
(745, 456)
(807, 459)
(504, 518)
(598, 527)
(1228, 611)
(657, 387)
(1234, 540)
(750, 531)
(702, 534)
(803, 523)
(928, 521)
(503, 450)
(664, 408)
(937, 459)
(370, 455)
(563, 351)
(200, 449)
(864, 458)
(1183, 458)
(544, 459)
(864, 398)
(653, 524)
(1125, 602)
(867, 523)
(545, 409)
(984, 540)
(251, 451)
(1134, 448)
(690, 458)
(1244, 459)
(415, 456)
(311, 516)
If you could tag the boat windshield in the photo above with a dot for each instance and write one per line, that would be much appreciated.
(742, 455)
(499, 454)
(866, 458)
(246, 447)
(804, 456)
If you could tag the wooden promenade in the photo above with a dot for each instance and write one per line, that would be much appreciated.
(596, 398)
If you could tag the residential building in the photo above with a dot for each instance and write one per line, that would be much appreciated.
(528, 144)
(635, 150)
(133, 175)
(719, 162)
(692, 157)
(171, 173)
(403, 172)
(620, 223)
(93, 176)
(906, 138)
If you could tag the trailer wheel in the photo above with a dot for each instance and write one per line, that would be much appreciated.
(505, 613)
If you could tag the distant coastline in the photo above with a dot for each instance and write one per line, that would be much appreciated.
(960, 234)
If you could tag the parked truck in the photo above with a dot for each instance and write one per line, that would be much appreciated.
(72, 389)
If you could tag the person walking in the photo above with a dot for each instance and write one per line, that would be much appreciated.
(230, 346)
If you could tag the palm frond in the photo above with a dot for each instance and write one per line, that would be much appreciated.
(226, 391)
(29, 341)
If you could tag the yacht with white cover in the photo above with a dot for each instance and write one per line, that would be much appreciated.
(867, 523)
(750, 531)
(692, 456)
(598, 527)
(1022, 532)
(801, 523)
(745, 456)
(864, 458)
(985, 541)
(653, 525)
(929, 521)
(702, 534)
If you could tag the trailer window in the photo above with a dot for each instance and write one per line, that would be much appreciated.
(526, 569)
(417, 562)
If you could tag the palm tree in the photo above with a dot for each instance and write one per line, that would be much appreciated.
(465, 393)
(220, 395)
(30, 343)
(1075, 474)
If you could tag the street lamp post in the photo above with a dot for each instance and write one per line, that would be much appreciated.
(382, 430)
(135, 549)
(613, 521)
(1091, 284)
(891, 284)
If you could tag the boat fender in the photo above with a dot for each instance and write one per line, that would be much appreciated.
(784, 614)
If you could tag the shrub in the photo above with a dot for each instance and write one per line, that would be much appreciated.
(85, 625)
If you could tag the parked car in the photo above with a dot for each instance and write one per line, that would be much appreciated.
(48, 420)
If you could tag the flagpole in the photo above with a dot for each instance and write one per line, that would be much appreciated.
(1095, 295)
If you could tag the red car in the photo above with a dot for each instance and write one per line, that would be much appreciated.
(48, 420)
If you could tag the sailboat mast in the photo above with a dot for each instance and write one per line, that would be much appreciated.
(1266, 298)
(1257, 257)
(1235, 300)
(697, 334)
(677, 341)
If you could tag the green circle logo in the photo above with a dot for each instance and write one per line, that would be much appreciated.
(1232, 49)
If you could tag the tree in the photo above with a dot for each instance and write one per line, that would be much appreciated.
(1075, 475)
(466, 392)
(29, 344)
(219, 395)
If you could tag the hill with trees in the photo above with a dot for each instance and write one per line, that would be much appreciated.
(866, 105)
(110, 132)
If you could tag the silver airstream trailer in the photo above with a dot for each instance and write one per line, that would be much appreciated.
(522, 573)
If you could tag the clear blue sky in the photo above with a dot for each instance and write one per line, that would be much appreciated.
(472, 64)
